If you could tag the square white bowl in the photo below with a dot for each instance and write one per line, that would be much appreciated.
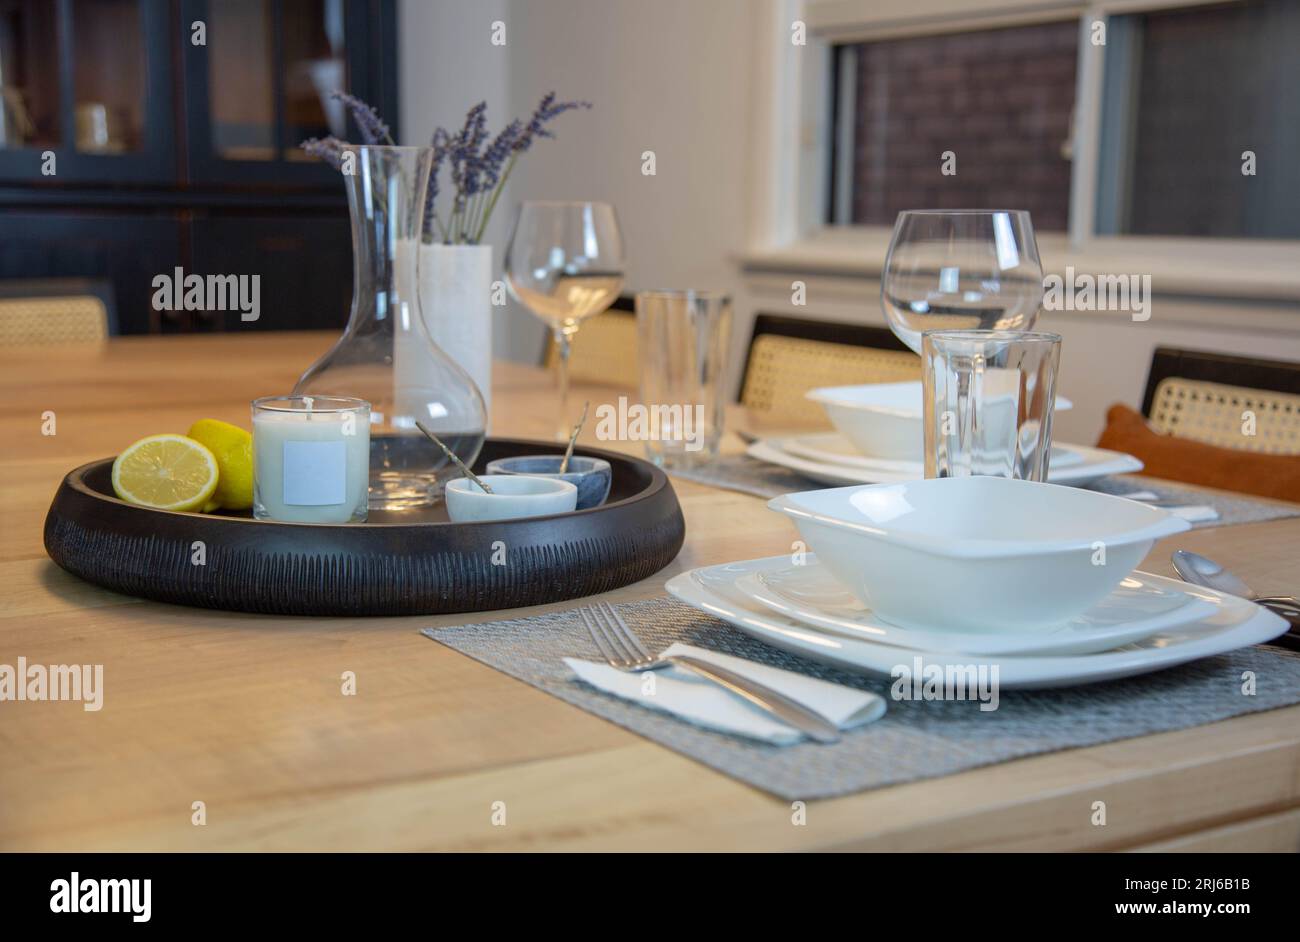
(883, 419)
(977, 553)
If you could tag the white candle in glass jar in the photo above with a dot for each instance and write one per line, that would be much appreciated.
(311, 459)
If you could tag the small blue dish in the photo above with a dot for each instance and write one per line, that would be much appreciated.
(591, 476)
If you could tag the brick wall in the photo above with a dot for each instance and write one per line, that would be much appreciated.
(999, 99)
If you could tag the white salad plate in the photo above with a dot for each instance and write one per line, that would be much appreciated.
(1136, 609)
(1235, 623)
(834, 448)
(1096, 463)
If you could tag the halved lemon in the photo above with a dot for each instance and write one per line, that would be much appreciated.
(167, 472)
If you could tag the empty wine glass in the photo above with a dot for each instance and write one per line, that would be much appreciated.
(967, 269)
(565, 263)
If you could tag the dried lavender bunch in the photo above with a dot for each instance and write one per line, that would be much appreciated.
(478, 168)
(513, 140)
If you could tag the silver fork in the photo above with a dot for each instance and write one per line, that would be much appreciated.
(623, 650)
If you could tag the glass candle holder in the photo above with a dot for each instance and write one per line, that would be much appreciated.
(989, 397)
(311, 459)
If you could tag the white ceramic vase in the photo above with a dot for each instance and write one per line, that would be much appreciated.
(455, 296)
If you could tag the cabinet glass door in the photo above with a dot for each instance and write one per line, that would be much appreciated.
(108, 77)
(262, 86)
(86, 81)
(241, 67)
(315, 64)
(29, 75)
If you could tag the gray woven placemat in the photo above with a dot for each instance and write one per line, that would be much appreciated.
(914, 740)
(751, 476)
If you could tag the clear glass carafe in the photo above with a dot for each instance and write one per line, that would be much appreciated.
(386, 355)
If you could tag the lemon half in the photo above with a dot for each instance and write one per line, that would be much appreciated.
(167, 472)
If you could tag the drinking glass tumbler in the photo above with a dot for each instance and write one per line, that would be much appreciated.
(989, 396)
(682, 338)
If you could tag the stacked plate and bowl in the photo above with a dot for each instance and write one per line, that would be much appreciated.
(1038, 579)
(878, 438)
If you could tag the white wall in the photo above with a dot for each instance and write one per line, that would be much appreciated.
(447, 64)
(663, 75)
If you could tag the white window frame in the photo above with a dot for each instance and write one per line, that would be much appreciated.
(787, 226)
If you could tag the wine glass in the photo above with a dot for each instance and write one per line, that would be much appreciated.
(966, 269)
(565, 263)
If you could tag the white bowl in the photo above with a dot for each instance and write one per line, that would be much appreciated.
(883, 419)
(513, 496)
(977, 553)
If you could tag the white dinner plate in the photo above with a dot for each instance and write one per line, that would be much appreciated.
(1137, 609)
(1096, 463)
(1234, 624)
(834, 448)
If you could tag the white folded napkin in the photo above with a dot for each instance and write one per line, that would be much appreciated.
(1195, 513)
(1192, 513)
(707, 704)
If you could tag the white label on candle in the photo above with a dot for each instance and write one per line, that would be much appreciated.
(315, 473)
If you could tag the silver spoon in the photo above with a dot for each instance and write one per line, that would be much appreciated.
(1198, 570)
(464, 468)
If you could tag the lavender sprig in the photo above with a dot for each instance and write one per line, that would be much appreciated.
(548, 109)
(328, 149)
(467, 146)
(500, 148)
(465, 171)
(441, 145)
(372, 127)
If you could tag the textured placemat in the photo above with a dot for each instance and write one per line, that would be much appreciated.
(914, 740)
(751, 476)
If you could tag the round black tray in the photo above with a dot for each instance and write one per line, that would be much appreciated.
(416, 563)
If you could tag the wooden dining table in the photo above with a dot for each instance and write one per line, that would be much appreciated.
(228, 731)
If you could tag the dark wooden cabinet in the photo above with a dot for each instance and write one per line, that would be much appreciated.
(301, 261)
(138, 136)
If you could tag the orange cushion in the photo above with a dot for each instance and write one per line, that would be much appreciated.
(1181, 459)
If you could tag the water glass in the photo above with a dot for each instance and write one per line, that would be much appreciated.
(989, 397)
(682, 339)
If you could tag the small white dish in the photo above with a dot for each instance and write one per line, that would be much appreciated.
(1097, 463)
(972, 552)
(833, 448)
(1135, 610)
(882, 420)
(1235, 623)
(513, 496)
